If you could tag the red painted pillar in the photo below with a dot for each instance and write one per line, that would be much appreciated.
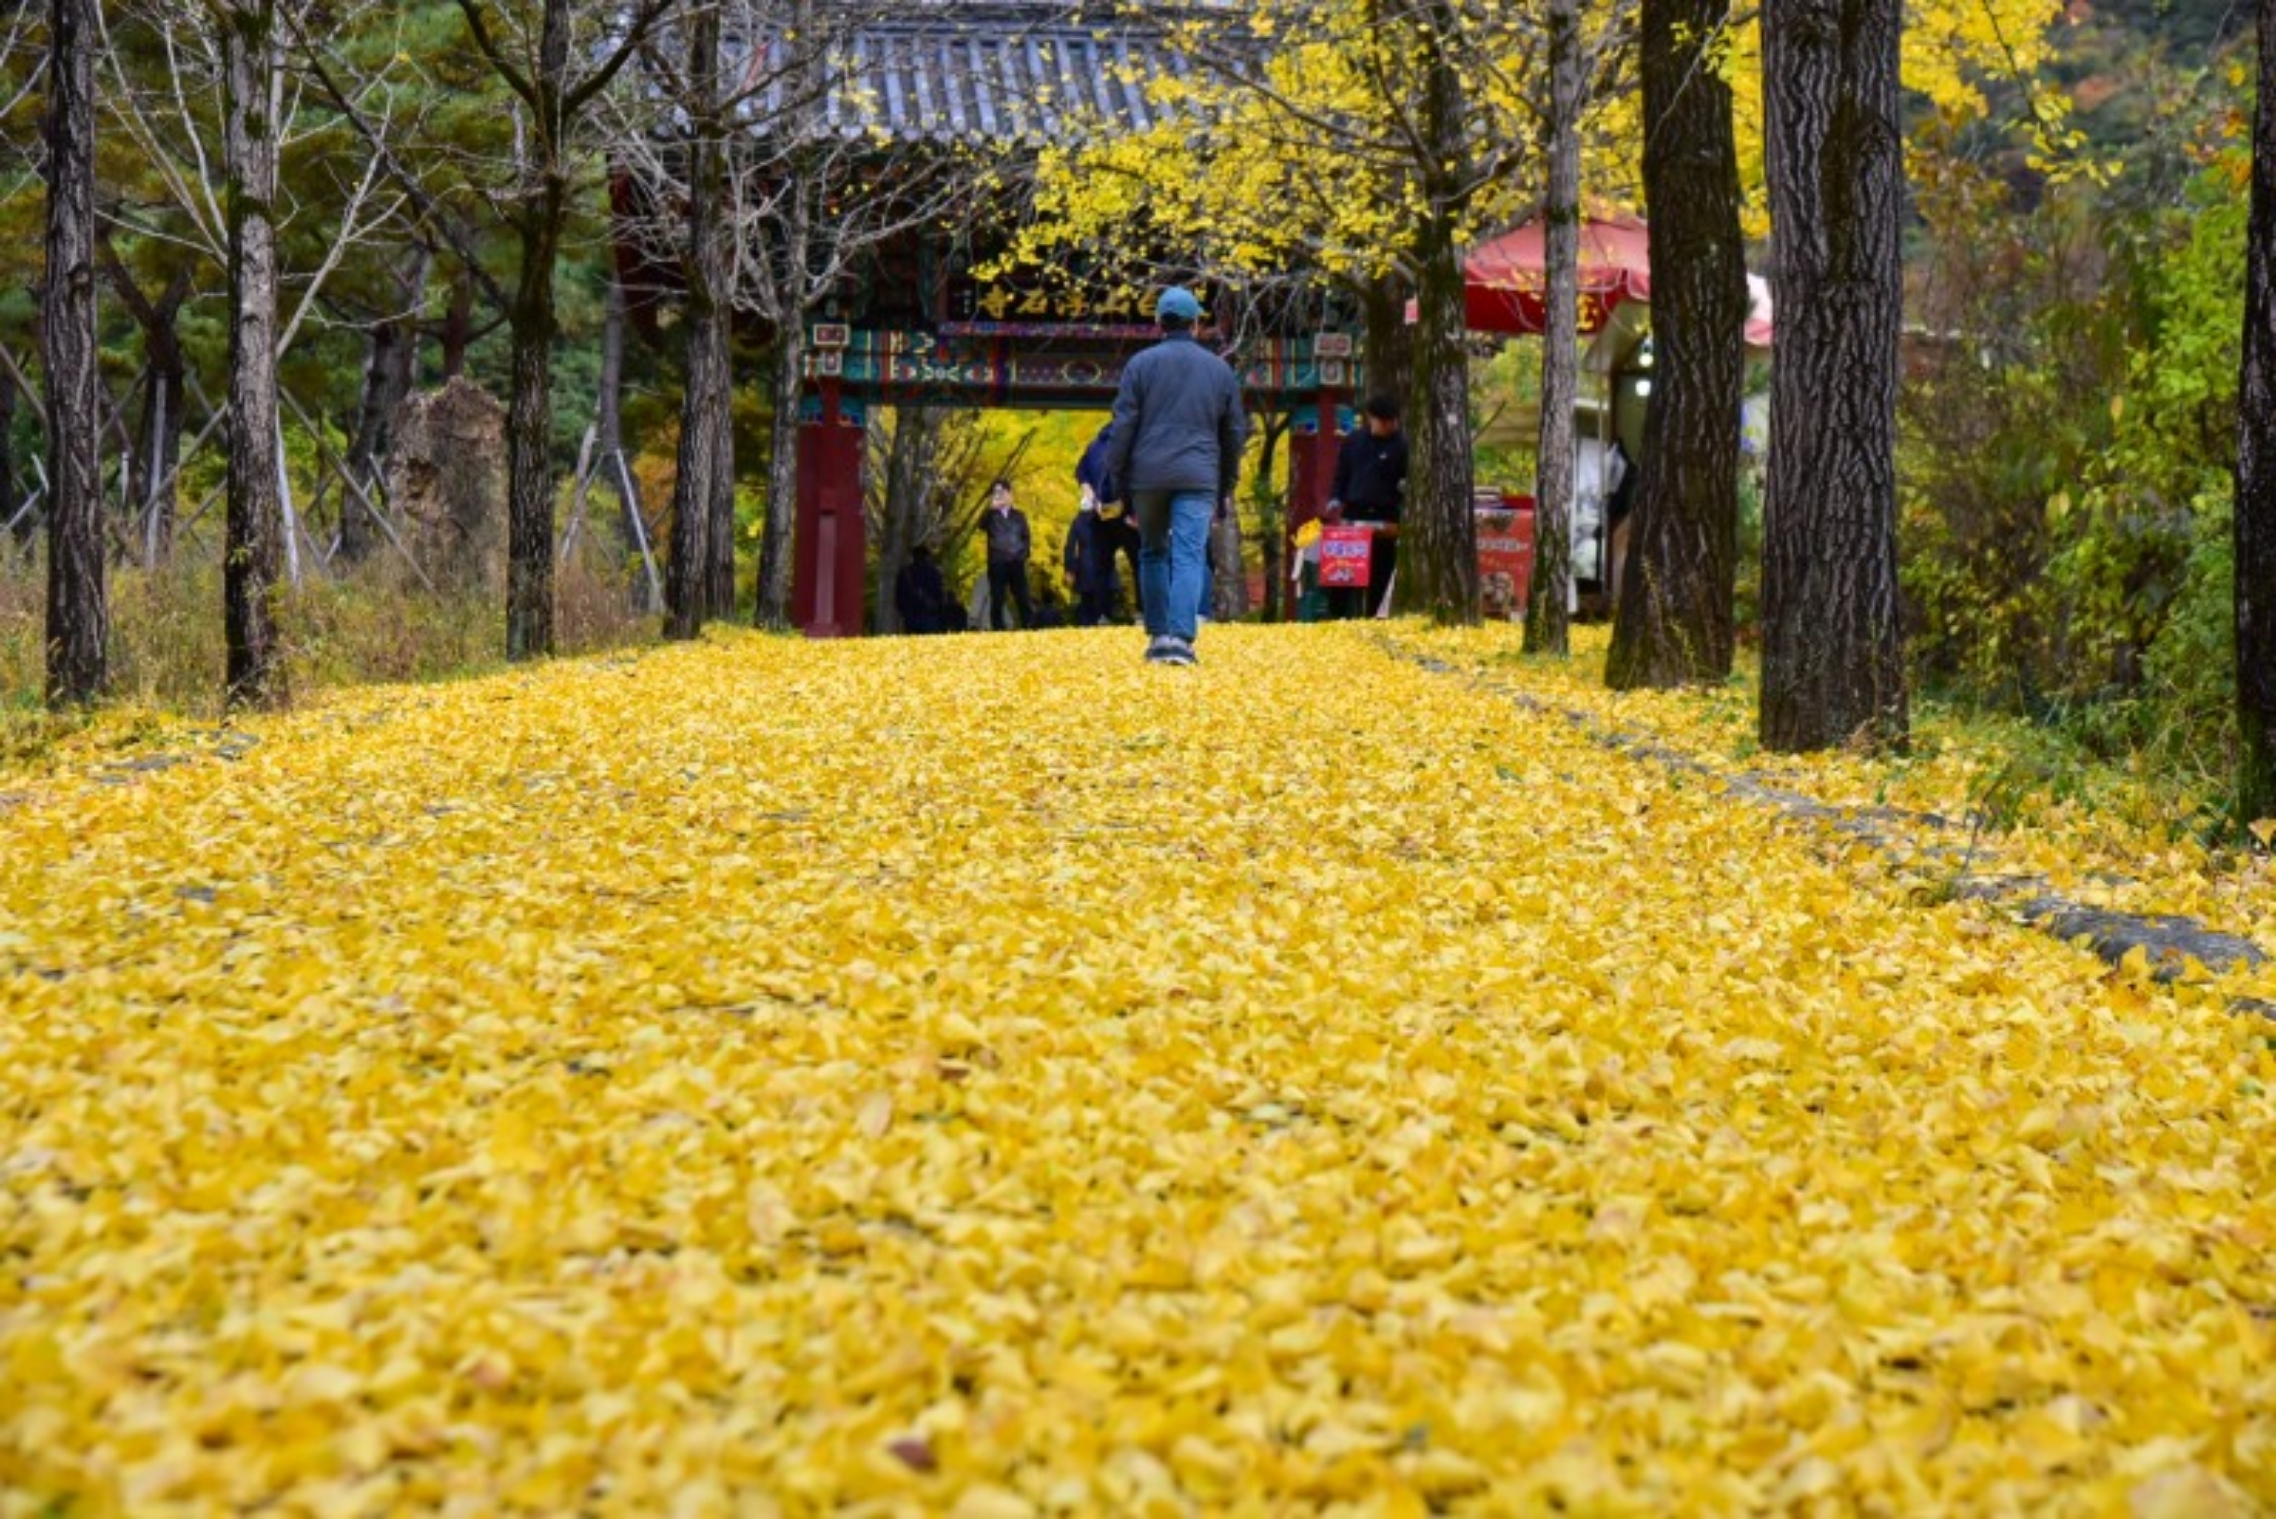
(830, 558)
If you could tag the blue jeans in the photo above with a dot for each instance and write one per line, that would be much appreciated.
(1173, 547)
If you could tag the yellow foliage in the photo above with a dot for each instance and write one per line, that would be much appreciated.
(987, 1075)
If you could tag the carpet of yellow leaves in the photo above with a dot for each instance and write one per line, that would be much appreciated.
(991, 1075)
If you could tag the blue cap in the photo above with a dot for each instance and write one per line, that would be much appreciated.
(1178, 303)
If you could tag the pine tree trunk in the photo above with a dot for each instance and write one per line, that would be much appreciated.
(775, 545)
(78, 613)
(391, 351)
(2255, 527)
(1548, 611)
(1438, 549)
(256, 673)
(1833, 649)
(1674, 625)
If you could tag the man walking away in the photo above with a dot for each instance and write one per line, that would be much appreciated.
(1008, 544)
(1176, 451)
(1371, 487)
(920, 595)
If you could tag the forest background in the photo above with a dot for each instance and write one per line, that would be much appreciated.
(2066, 421)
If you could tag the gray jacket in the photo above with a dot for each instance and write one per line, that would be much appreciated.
(1177, 421)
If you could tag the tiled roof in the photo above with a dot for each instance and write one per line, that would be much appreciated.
(952, 72)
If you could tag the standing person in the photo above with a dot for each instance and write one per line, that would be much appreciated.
(1089, 561)
(1008, 545)
(1371, 487)
(1117, 529)
(920, 595)
(1176, 452)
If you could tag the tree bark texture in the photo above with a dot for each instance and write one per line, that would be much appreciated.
(697, 590)
(1389, 353)
(1548, 609)
(1438, 552)
(391, 351)
(1833, 649)
(256, 673)
(78, 613)
(529, 434)
(773, 609)
(1674, 625)
(2255, 526)
(533, 323)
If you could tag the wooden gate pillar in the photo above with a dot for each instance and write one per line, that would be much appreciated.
(830, 557)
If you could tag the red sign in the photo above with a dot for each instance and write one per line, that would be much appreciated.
(1505, 561)
(1346, 553)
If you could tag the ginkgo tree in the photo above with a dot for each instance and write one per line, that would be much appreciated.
(1359, 143)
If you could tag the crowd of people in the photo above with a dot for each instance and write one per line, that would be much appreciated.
(1153, 484)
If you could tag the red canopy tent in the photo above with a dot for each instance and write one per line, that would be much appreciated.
(1507, 278)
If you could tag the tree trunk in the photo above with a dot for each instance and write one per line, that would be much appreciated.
(458, 327)
(10, 502)
(908, 465)
(773, 610)
(529, 434)
(256, 656)
(1548, 610)
(1271, 516)
(153, 480)
(150, 471)
(609, 459)
(1674, 624)
(1438, 552)
(391, 349)
(1390, 351)
(1833, 649)
(697, 588)
(78, 613)
(2256, 463)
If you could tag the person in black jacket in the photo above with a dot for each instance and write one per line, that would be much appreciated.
(1008, 544)
(1371, 487)
(1117, 526)
(1089, 560)
(1176, 452)
(920, 595)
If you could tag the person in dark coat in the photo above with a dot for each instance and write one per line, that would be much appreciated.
(1009, 543)
(1371, 487)
(1176, 452)
(1089, 559)
(920, 595)
(1117, 526)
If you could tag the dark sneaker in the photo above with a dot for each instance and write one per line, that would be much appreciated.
(1180, 652)
(1158, 650)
